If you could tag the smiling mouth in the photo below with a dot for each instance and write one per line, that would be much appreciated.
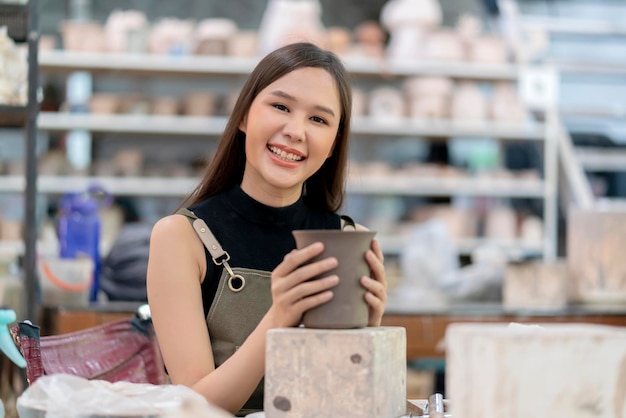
(286, 156)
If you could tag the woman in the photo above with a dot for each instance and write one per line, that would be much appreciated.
(280, 166)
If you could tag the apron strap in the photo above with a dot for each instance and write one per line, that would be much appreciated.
(206, 236)
(347, 221)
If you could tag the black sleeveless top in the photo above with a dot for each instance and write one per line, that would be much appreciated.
(255, 235)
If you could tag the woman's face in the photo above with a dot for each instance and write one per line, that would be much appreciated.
(290, 131)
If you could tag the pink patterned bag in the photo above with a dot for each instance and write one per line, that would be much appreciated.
(124, 350)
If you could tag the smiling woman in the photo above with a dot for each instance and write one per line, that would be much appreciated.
(280, 166)
(290, 132)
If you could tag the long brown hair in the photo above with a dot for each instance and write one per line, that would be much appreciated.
(324, 189)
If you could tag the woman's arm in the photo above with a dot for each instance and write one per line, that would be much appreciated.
(176, 267)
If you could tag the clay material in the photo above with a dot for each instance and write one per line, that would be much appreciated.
(347, 308)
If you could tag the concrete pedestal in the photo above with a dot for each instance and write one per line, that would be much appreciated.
(335, 373)
(573, 371)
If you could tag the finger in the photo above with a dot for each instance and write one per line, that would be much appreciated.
(377, 268)
(375, 302)
(303, 274)
(298, 283)
(312, 287)
(315, 269)
(312, 301)
(374, 287)
(377, 250)
(292, 295)
(295, 258)
(377, 309)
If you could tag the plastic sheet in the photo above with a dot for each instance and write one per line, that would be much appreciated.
(67, 396)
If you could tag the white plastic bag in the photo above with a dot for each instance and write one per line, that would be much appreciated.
(67, 396)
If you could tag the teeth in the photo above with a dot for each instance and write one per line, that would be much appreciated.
(287, 156)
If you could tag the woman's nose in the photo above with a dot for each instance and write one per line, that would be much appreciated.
(295, 129)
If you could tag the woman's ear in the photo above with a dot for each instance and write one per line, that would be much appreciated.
(243, 124)
(332, 148)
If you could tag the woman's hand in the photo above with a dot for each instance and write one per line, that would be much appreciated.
(293, 292)
(376, 284)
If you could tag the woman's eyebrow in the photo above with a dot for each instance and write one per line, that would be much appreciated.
(287, 96)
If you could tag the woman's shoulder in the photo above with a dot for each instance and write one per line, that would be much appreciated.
(171, 226)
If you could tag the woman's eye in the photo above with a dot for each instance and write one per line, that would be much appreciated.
(318, 119)
(281, 107)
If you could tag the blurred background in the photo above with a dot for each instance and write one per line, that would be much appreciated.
(478, 127)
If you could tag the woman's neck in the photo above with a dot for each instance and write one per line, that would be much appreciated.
(271, 196)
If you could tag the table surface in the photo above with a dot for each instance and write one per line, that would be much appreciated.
(425, 324)
(499, 309)
(464, 308)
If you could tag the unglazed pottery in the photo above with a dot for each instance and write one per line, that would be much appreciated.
(347, 308)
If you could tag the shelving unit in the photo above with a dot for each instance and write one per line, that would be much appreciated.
(578, 161)
(15, 18)
(23, 25)
(363, 128)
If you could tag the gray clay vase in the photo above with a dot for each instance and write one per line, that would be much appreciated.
(347, 308)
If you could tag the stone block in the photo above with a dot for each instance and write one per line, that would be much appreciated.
(536, 285)
(335, 373)
(569, 370)
(595, 258)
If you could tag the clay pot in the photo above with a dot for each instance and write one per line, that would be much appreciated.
(347, 308)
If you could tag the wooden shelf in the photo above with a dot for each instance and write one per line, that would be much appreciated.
(214, 126)
(371, 185)
(515, 249)
(572, 26)
(59, 60)
(443, 128)
(4, 108)
(135, 124)
(133, 186)
(408, 185)
(12, 116)
(566, 67)
(602, 159)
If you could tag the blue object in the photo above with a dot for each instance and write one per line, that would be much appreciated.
(79, 230)
(7, 346)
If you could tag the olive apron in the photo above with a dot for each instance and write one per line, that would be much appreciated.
(242, 299)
